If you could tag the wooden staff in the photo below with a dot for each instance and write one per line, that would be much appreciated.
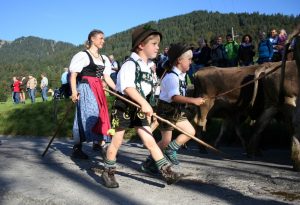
(58, 128)
(169, 123)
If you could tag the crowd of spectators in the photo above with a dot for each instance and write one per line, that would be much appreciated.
(22, 85)
(230, 53)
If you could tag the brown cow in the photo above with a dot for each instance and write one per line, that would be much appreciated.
(295, 154)
(214, 81)
(276, 102)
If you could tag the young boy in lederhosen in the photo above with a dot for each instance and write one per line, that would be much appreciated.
(171, 103)
(135, 82)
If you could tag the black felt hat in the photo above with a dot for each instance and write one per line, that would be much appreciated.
(176, 50)
(141, 33)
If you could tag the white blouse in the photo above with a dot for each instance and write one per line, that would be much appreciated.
(81, 60)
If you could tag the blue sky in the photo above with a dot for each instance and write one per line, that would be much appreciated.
(72, 20)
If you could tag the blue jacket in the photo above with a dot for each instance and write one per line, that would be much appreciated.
(265, 49)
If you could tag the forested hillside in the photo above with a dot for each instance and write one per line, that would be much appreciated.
(187, 28)
(33, 55)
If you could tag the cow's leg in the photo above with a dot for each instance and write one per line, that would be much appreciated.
(295, 154)
(205, 108)
(295, 149)
(200, 135)
(224, 127)
(252, 148)
(201, 128)
(237, 128)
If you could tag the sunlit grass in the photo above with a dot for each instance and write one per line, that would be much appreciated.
(41, 118)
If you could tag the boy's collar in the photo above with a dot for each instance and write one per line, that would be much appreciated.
(179, 72)
(136, 57)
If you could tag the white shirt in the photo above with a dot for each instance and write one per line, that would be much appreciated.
(64, 78)
(169, 86)
(81, 60)
(44, 82)
(126, 75)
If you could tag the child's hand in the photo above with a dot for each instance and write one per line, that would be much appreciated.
(147, 109)
(199, 101)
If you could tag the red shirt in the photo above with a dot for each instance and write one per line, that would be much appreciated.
(17, 86)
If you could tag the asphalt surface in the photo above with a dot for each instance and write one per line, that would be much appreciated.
(28, 178)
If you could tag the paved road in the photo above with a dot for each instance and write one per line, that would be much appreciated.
(27, 178)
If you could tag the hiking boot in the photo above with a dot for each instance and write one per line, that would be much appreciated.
(78, 153)
(108, 177)
(149, 166)
(171, 155)
(169, 175)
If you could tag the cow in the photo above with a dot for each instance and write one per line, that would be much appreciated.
(234, 106)
(213, 83)
(277, 101)
(295, 153)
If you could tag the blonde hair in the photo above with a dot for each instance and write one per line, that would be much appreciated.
(187, 54)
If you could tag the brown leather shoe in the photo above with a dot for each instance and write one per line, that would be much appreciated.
(108, 177)
(169, 175)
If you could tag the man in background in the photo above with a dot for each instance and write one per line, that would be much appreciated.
(65, 86)
(31, 88)
(44, 87)
(114, 68)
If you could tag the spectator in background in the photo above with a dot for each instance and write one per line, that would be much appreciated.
(31, 88)
(114, 68)
(12, 90)
(161, 59)
(246, 51)
(231, 50)
(274, 42)
(65, 86)
(44, 86)
(164, 56)
(218, 53)
(282, 37)
(201, 55)
(156, 82)
(22, 91)
(16, 89)
(265, 49)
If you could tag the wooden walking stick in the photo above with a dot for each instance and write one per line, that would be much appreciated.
(58, 129)
(169, 123)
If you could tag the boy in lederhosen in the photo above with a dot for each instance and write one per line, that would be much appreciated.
(135, 82)
(171, 104)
